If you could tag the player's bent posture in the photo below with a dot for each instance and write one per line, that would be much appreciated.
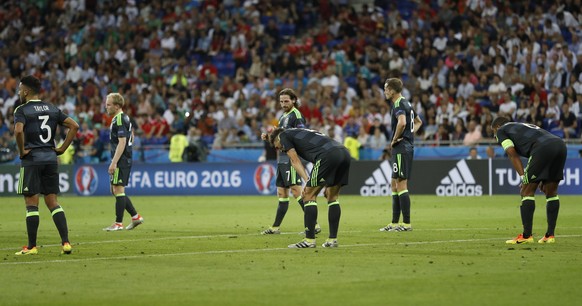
(35, 127)
(121, 140)
(287, 178)
(405, 123)
(331, 167)
(546, 154)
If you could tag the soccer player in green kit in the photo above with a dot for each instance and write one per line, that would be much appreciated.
(35, 127)
(121, 140)
(405, 123)
(287, 178)
(331, 169)
(546, 154)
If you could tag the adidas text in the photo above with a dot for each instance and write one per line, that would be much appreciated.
(459, 182)
(459, 190)
(375, 190)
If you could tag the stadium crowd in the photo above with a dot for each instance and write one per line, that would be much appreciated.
(211, 69)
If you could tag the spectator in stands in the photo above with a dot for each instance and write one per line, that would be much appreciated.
(459, 133)
(553, 112)
(473, 134)
(143, 65)
(507, 107)
(473, 154)
(377, 140)
(351, 128)
(490, 152)
(568, 122)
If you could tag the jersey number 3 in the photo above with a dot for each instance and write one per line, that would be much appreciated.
(44, 126)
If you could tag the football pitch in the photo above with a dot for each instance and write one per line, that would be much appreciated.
(208, 251)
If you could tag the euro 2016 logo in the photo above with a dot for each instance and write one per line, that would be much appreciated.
(86, 180)
(264, 178)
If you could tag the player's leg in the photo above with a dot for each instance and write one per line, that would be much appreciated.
(296, 193)
(528, 206)
(312, 188)
(29, 187)
(60, 220)
(396, 210)
(310, 217)
(333, 215)
(50, 188)
(338, 176)
(283, 183)
(310, 213)
(552, 209)
(282, 207)
(136, 219)
(404, 199)
(403, 168)
(32, 223)
(555, 173)
(118, 191)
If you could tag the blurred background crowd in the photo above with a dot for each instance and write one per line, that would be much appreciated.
(207, 72)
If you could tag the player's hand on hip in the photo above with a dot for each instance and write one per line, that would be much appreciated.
(59, 151)
(24, 153)
(112, 168)
(395, 142)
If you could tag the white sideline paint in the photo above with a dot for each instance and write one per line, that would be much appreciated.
(252, 251)
(223, 236)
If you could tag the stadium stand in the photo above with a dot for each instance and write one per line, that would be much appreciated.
(216, 67)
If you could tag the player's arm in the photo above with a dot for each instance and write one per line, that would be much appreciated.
(509, 149)
(73, 127)
(119, 150)
(296, 163)
(515, 160)
(400, 126)
(19, 135)
(417, 124)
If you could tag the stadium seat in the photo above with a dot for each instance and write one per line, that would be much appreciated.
(352, 81)
(333, 43)
(558, 132)
(265, 19)
(286, 30)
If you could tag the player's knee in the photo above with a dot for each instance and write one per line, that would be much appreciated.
(551, 189)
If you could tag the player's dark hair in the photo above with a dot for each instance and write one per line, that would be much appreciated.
(291, 93)
(499, 121)
(32, 83)
(394, 84)
(274, 135)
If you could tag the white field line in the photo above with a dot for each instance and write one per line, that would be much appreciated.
(239, 235)
(220, 236)
(252, 251)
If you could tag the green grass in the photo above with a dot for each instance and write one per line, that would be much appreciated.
(208, 251)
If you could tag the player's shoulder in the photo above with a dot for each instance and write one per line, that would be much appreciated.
(401, 103)
(120, 119)
(125, 117)
(511, 126)
(19, 108)
(297, 113)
